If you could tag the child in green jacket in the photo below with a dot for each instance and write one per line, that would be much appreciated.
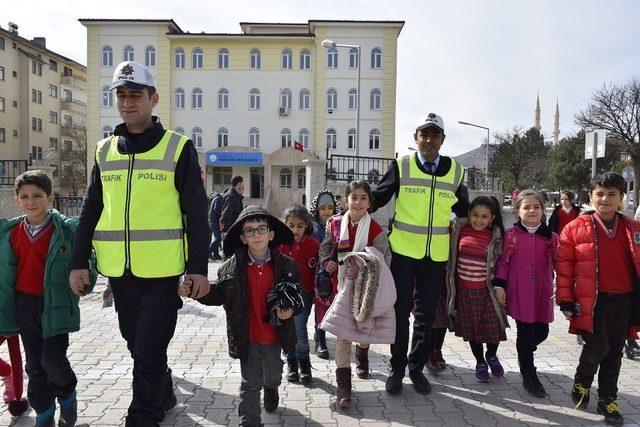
(36, 299)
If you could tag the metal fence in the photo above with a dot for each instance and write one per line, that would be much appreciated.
(476, 179)
(10, 169)
(68, 205)
(347, 168)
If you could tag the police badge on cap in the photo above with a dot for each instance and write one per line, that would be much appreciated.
(430, 120)
(132, 75)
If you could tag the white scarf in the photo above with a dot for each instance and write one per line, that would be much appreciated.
(362, 234)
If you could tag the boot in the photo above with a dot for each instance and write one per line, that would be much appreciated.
(611, 412)
(532, 384)
(580, 395)
(68, 411)
(343, 378)
(292, 375)
(305, 370)
(440, 360)
(271, 399)
(320, 338)
(432, 363)
(362, 357)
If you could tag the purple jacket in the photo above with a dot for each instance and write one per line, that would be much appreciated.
(527, 266)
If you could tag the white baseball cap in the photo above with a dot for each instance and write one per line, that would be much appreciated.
(132, 75)
(430, 120)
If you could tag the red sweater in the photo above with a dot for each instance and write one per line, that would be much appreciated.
(615, 274)
(471, 268)
(32, 257)
(305, 252)
(565, 218)
(260, 280)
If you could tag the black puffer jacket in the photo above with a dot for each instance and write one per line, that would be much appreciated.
(231, 289)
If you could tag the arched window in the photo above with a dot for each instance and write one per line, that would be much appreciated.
(351, 139)
(197, 58)
(223, 58)
(285, 178)
(179, 130)
(285, 137)
(332, 58)
(332, 138)
(223, 137)
(305, 59)
(303, 138)
(305, 99)
(223, 98)
(353, 98)
(332, 99)
(127, 53)
(196, 98)
(254, 138)
(254, 59)
(374, 139)
(353, 57)
(375, 100)
(107, 56)
(107, 131)
(285, 98)
(254, 99)
(178, 57)
(350, 175)
(107, 97)
(302, 177)
(374, 176)
(376, 57)
(178, 98)
(196, 137)
(150, 56)
(287, 59)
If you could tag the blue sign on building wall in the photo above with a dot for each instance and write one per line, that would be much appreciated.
(228, 158)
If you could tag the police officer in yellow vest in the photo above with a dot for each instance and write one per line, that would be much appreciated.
(144, 202)
(428, 188)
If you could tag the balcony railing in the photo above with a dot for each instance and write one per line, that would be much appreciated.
(72, 80)
(68, 103)
(348, 168)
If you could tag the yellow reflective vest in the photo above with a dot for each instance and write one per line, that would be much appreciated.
(423, 210)
(141, 225)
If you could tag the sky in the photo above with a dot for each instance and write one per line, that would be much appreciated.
(482, 62)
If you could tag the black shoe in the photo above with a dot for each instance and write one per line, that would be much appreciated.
(292, 375)
(68, 415)
(49, 422)
(394, 384)
(420, 382)
(320, 338)
(611, 412)
(580, 395)
(170, 402)
(305, 370)
(532, 384)
(270, 399)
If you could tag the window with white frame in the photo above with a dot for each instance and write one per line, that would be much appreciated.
(150, 56)
(178, 98)
(305, 59)
(285, 137)
(302, 177)
(53, 143)
(179, 130)
(179, 58)
(353, 57)
(107, 56)
(197, 58)
(223, 58)
(332, 58)
(375, 100)
(196, 136)
(303, 138)
(353, 98)
(53, 65)
(223, 137)
(305, 99)
(254, 99)
(196, 98)
(351, 139)
(287, 59)
(332, 139)
(53, 115)
(127, 53)
(376, 57)
(254, 138)
(332, 99)
(223, 98)
(107, 131)
(285, 98)
(285, 178)
(67, 95)
(53, 91)
(107, 97)
(254, 59)
(374, 139)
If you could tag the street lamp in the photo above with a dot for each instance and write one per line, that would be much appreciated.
(486, 159)
(327, 43)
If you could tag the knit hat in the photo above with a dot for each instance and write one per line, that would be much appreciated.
(283, 295)
(324, 197)
(282, 234)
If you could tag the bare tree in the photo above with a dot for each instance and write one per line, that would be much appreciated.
(616, 109)
(74, 158)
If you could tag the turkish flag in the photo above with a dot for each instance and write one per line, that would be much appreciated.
(299, 147)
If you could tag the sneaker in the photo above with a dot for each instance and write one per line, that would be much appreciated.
(420, 382)
(394, 384)
(611, 412)
(580, 395)
(629, 351)
(68, 415)
(496, 367)
(482, 372)
(270, 399)
(8, 394)
(532, 384)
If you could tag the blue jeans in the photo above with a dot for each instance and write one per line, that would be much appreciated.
(214, 247)
(302, 347)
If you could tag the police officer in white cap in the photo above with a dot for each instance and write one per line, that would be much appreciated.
(145, 200)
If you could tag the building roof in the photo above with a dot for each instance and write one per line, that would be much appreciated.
(37, 47)
(173, 27)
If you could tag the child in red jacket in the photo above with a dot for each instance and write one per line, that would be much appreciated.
(600, 299)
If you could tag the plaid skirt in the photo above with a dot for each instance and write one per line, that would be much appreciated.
(440, 318)
(477, 319)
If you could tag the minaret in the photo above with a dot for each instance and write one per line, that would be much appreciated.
(537, 116)
(556, 124)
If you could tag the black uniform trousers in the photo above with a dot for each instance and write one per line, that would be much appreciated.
(147, 314)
